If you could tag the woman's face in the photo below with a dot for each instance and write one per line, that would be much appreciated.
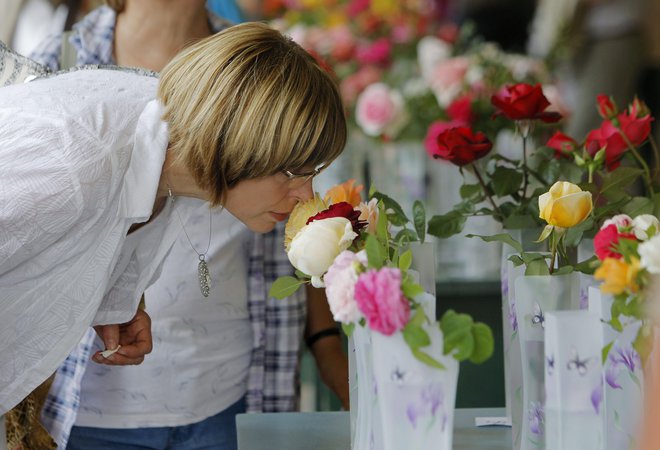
(262, 202)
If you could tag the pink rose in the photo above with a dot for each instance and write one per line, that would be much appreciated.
(447, 79)
(379, 297)
(343, 43)
(380, 111)
(340, 286)
(378, 52)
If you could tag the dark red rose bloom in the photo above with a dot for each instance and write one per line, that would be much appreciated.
(606, 239)
(562, 144)
(461, 146)
(341, 209)
(606, 107)
(524, 102)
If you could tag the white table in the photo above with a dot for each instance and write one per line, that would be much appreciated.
(331, 431)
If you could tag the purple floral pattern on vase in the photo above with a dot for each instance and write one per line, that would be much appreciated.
(620, 358)
(536, 418)
(426, 405)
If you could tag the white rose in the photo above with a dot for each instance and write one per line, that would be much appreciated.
(317, 245)
(649, 254)
(430, 51)
(641, 225)
(620, 220)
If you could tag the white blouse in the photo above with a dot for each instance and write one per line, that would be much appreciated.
(80, 160)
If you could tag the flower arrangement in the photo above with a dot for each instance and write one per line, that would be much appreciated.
(595, 183)
(628, 251)
(359, 251)
(406, 72)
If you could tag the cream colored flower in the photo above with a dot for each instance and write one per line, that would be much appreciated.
(369, 214)
(316, 246)
(299, 216)
(565, 205)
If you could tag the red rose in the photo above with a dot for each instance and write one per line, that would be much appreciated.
(609, 137)
(606, 239)
(461, 146)
(460, 110)
(523, 101)
(434, 130)
(341, 209)
(606, 107)
(562, 144)
(635, 123)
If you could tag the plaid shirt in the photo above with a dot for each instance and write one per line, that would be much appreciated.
(277, 325)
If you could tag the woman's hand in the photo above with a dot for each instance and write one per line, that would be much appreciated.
(134, 338)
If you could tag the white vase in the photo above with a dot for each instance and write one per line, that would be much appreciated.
(623, 383)
(368, 431)
(535, 296)
(573, 381)
(513, 380)
(416, 401)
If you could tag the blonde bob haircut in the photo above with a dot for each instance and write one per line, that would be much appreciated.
(249, 102)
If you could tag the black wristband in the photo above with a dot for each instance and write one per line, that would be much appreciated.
(311, 340)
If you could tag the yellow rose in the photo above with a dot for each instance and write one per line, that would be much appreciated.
(565, 205)
(299, 216)
(618, 276)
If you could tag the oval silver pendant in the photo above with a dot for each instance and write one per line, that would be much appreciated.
(204, 277)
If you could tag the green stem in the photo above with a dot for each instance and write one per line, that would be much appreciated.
(640, 160)
(553, 253)
(656, 156)
(525, 168)
(487, 191)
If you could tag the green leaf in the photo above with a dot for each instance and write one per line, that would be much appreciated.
(574, 234)
(605, 351)
(656, 205)
(457, 332)
(470, 191)
(563, 270)
(415, 336)
(518, 221)
(550, 170)
(588, 266)
(419, 219)
(637, 206)
(446, 225)
(284, 287)
(405, 236)
(545, 233)
(516, 260)
(395, 212)
(537, 267)
(620, 178)
(484, 343)
(505, 181)
(427, 359)
(405, 260)
(382, 225)
(503, 237)
(348, 328)
(375, 255)
(411, 290)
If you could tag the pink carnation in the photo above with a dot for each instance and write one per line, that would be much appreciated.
(379, 297)
(377, 52)
(340, 282)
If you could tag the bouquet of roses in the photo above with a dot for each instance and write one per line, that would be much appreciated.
(510, 187)
(359, 252)
(628, 250)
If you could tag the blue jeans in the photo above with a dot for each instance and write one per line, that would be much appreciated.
(217, 432)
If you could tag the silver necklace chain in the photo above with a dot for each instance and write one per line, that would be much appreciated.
(203, 273)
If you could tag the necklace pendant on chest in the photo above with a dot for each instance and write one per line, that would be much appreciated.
(204, 276)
